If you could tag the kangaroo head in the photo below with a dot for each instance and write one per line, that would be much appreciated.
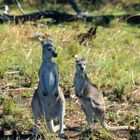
(48, 49)
(80, 64)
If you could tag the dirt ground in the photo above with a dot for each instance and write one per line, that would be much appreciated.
(74, 118)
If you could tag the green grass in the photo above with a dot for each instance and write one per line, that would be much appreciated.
(113, 56)
(11, 107)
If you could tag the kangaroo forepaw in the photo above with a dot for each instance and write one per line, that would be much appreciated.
(45, 93)
(79, 96)
(56, 94)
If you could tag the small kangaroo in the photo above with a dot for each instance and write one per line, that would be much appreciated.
(90, 98)
(48, 100)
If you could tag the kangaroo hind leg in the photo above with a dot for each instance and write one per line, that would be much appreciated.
(35, 115)
(51, 126)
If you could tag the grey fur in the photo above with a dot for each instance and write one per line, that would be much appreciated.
(48, 101)
(90, 98)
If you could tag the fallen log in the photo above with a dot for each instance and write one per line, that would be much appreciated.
(134, 19)
(57, 16)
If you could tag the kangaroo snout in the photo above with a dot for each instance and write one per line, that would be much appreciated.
(82, 69)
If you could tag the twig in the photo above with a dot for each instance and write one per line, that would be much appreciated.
(20, 8)
(18, 89)
(12, 72)
(5, 50)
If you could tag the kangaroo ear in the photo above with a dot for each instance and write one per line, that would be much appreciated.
(41, 41)
(49, 40)
(77, 58)
(84, 58)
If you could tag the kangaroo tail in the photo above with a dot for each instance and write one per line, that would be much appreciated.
(115, 128)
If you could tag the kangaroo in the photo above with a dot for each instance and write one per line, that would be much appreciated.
(48, 101)
(90, 98)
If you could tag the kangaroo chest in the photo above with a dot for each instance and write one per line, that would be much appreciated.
(80, 83)
(49, 77)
